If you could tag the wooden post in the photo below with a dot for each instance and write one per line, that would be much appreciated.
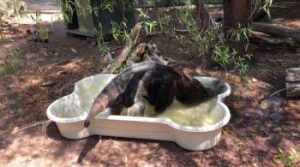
(293, 82)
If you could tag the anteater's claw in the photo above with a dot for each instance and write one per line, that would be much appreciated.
(86, 123)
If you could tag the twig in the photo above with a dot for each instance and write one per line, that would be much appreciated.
(30, 126)
(273, 94)
(181, 31)
(276, 92)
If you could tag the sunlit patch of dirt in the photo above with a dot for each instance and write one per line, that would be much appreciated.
(73, 65)
(293, 23)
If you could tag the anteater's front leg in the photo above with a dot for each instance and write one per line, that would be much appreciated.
(115, 110)
(138, 107)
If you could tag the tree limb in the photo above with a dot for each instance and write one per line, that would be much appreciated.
(277, 30)
(126, 51)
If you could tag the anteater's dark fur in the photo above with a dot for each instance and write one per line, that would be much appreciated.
(155, 83)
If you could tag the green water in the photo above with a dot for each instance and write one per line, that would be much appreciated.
(200, 115)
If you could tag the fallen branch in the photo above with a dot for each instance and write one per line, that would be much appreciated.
(129, 46)
(134, 53)
(145, 52)
(259, 38)
(277, 30)
(121, 59)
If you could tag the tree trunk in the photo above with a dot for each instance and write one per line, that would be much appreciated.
(236, 12)
(203, 14)
(236, 16)
(205, 22)
(125, 53)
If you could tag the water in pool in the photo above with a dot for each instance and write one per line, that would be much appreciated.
(199, 115)
(81, 101)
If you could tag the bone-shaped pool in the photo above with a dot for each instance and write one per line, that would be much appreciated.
(193, 128)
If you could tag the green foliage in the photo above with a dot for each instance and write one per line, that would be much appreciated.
(266, 6)
(13, 62)
(164, 23)
(148, 24)
(238, 34)
(67, 9)
(203, 40)
(42, 31)
(102, 45)
(240, 63)
(209, 41)
(117, 31)
(258, 5)
(222, 54)
(85, 9)
(108, 5)
(287, 158)
(120, 32)
(143, 14)
(43, 34)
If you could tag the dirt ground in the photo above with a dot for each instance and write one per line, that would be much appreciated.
(258, 127)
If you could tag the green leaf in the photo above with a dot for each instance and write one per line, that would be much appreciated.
(279, 150)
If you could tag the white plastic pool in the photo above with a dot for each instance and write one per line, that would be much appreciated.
(69, 113)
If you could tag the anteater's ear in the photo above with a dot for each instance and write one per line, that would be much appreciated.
(86, 123)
